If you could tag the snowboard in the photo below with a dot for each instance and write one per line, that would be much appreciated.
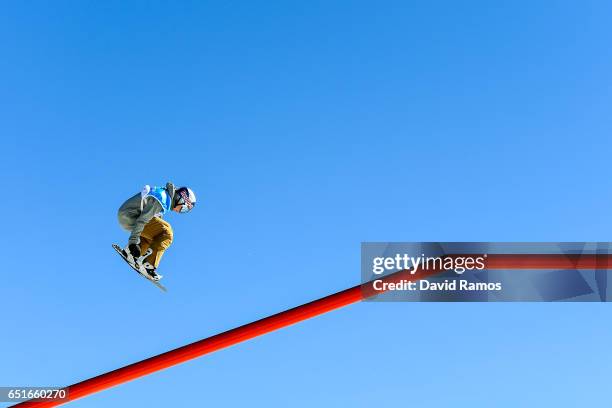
(136, 266)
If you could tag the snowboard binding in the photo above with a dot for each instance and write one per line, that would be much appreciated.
(139, 263)
(135, 261)
(145, 269)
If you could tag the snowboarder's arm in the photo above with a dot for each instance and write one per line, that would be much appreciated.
(149, 210)
(171, 191)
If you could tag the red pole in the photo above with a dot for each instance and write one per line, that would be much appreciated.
(298, 314)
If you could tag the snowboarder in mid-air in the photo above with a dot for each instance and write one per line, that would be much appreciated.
(150, 235)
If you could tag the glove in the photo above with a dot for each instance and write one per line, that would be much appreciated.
(134, 250)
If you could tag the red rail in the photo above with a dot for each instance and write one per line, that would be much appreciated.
(298, 314)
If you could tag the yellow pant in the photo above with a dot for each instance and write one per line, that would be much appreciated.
(157, 235)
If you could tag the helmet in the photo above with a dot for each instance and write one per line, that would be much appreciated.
(185, 198)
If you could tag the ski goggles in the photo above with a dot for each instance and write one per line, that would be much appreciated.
(185, 202)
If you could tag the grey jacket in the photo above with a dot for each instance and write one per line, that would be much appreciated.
(136, 212)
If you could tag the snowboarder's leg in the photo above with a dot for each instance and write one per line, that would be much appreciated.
(159, 234)
(145, 243)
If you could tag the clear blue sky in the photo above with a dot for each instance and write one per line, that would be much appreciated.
(305, 128)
